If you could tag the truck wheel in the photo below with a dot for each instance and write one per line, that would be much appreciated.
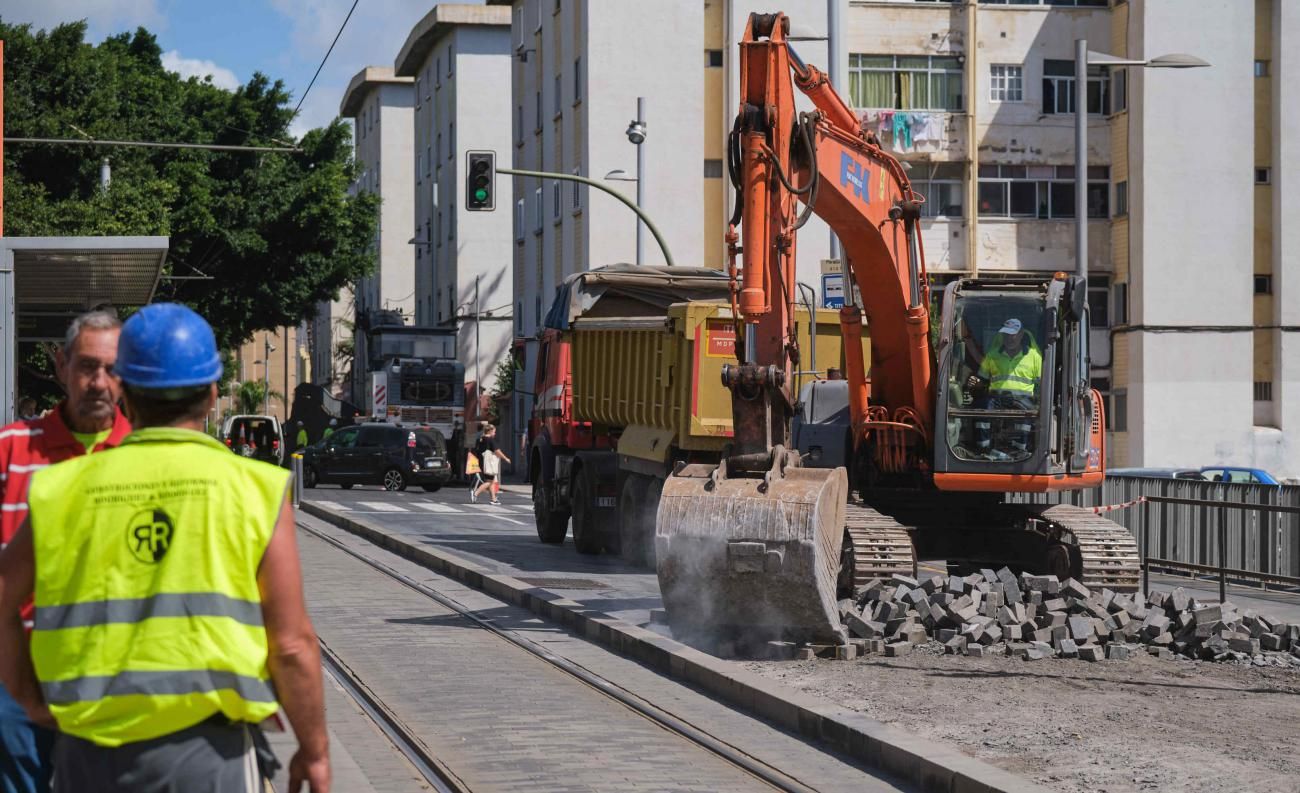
(434, 488)
(552, 525)
(310, 477)
(586, 533)
(650, 513)
(630, 522)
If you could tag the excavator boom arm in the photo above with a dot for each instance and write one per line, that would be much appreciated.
(829, 164)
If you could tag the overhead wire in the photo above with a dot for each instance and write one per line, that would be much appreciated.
(303, 98)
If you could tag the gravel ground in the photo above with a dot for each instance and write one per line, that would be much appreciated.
(1106, 727)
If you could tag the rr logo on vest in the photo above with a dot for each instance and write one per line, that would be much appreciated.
(149, 535)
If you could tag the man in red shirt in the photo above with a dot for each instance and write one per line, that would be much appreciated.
(88, 420)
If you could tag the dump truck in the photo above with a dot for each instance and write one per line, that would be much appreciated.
(629, 387)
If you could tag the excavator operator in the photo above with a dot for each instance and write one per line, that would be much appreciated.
(1011, 371)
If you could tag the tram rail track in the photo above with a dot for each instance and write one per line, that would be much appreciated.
(423, 758)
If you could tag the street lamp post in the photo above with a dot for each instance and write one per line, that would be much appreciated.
(636, 132)
(1082, 60)
(266, 376)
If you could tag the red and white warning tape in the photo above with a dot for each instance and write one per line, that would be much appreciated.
(1112, 507)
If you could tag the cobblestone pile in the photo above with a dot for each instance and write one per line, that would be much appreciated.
(1036, 617)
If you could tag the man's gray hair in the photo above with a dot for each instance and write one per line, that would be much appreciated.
(99, 319)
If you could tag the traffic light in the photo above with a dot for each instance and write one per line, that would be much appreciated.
(480, 181)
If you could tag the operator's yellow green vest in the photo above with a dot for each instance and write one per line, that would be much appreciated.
(1018, 374)
(148, 615)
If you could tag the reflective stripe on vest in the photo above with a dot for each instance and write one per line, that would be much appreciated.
(1018, 375)
(148, 614)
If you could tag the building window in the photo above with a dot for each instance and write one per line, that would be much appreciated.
(451, 221)
(1263, 391)
(1121, 199)
(538, 212)
(577, 80)
(429, 155)
(556, 99)
(519, 124)
(1263, 175)
(577, 190)
(437, 73)
(519, 221)
(451, 141)
(537, 126)
(1058, 88)
(1261, 68)
(713, 169)
(905, 82)
(1263, 284)
(941, 185)
(437, 228)
(555, 200)
(1007, 83)
(1118, 89)
(451, 59)
(713, 59)
(1040, 191)
(1099, 301)
(418, 83)
(419, 166)
(1119, 411)
(1119, 303)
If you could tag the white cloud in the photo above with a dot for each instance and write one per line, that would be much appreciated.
(193, 67)
(103, 17)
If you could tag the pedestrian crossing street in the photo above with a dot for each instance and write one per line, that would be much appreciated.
(429, 506)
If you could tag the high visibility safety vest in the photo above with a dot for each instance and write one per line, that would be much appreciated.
(1019, 373)
(148, 614)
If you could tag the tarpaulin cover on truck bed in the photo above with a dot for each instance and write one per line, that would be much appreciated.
(629, 290)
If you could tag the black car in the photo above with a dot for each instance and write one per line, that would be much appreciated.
(378, 454)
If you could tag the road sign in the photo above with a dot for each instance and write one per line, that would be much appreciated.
(833, 290)
(378, 393)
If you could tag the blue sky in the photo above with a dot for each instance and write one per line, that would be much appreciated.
(232, 39)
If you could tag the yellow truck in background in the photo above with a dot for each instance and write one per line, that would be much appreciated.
(629, 386)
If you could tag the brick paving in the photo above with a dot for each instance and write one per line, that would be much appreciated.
(504, 720)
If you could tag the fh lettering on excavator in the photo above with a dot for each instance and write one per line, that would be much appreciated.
(852, 173)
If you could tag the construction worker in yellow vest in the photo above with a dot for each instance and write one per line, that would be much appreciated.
(1011, 371)
(169, 617)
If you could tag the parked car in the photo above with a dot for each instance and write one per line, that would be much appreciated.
(1232, 473)
(259, 437)
(1157, 473)
(377, 453)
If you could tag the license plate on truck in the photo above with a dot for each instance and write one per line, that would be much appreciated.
(606, 502)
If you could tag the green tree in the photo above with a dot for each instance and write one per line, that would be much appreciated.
(251, 396)
(277, 232)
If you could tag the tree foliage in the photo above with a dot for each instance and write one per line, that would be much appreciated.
(277, 232)
(251, 397)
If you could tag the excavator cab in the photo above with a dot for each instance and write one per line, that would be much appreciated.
(1014, 408)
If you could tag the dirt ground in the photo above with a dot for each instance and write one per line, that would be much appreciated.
(1105, 727)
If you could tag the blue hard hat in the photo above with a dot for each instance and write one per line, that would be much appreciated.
(167, 345)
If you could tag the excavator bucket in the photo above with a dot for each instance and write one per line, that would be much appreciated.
(757, 558)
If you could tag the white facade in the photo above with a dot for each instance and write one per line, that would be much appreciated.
(459, 59)
(578, 69)
(1194, 212)
(381, 106)
(1283, 443)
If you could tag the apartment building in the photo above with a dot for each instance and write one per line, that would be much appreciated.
(381, 105)
(459, 59)
(273, 357)
(578, 68)
(328, 360)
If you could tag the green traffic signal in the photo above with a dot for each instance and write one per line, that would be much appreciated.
(481, 194)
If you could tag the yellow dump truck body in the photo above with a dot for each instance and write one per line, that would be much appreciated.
(660, 378)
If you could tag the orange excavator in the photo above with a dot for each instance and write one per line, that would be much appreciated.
(855, 479)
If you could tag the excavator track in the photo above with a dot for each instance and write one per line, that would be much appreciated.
(1108, 552)
(875, 546)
